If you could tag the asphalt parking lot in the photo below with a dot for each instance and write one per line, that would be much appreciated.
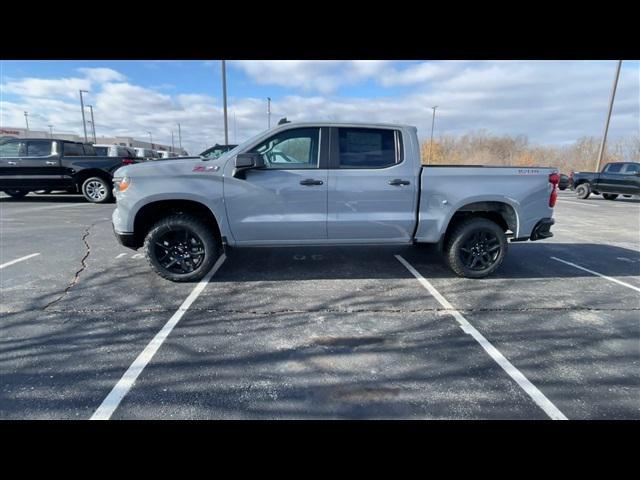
(279, 333)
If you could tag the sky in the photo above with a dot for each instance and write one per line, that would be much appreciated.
(550, 102)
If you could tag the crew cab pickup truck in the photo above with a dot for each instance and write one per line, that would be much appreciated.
(33, 164)
(328, 184)
(617, 178)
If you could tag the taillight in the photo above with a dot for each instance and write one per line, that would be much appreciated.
(554, 179)
(128, 161)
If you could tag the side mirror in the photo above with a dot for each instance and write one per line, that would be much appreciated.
(246, 161)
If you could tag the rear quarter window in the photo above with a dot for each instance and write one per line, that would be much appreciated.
(73, 149)
(632, 168)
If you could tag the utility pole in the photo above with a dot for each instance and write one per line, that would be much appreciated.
(150, 139)
(235, 128)
(179, 138)
(51, 131)
(84, 124)
(224, 100)
(433, 121)
(26, 119)
(606, 124)
(172, 147)
(268, 112)
(93, 124)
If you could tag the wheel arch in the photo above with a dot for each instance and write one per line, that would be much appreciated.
(152, 212)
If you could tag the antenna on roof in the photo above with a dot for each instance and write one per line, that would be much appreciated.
(282, 121)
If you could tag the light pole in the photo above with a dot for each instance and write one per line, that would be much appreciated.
(235, 128)
(433, 121)
(224, 101)
(93, 124)
(84, 124)
(268, 112)
(51, 131)
(606, 124)
(179, 138)
(150, 139)
(26, 119)
(172, 147)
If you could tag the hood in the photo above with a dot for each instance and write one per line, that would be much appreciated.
(172, 167)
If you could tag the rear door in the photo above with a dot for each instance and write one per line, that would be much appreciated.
(611, 179)
(372, 187)
(286, 201)
(41, 165)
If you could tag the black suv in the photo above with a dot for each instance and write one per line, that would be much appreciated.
(32, 164)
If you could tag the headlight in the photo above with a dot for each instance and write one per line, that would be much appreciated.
(122, 183)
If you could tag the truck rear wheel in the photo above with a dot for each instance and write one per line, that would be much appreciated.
(181, 248)
(583, 191)
(476, 248)
(97, 190)
(610, 196)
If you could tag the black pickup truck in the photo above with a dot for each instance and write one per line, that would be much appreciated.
(617, 178)
(32, 164)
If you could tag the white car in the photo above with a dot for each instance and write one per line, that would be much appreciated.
(104, 150)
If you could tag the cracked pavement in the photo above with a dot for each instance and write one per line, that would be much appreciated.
(317, 332)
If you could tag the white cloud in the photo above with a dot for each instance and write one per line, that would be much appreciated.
(102, 75)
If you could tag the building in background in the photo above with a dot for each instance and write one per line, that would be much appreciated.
(15, 132)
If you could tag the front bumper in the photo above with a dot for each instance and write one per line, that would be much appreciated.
(542, 229)
(126, 239)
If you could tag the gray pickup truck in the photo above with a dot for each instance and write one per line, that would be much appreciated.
(328, 184)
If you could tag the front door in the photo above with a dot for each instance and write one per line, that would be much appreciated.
(286, 201)
(40, 166)
(10, 153)
(372, 188)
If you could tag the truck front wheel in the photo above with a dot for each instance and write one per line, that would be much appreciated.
(181, 248)
(476, 248)
(583, 191)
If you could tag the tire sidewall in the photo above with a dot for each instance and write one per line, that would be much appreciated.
(583, 191)
(461, 234)
(107, 197)
(205, 234)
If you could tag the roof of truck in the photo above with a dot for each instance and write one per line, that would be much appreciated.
(341, 124)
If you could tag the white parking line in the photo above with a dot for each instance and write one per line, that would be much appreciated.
(120, 255)
(536, 395)
(598, 274)
(560, 202)
(48, 207)
(137, 255)
(111, 402)
(27, 257)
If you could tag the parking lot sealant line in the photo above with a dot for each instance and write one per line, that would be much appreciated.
(611, 279)
(111, 402)
(83, 263)
(530, 389)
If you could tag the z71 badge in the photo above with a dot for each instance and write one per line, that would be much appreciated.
(209, 168)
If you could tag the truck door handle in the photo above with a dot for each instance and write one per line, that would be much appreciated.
(311, 181)
(50, 163)
(397, 182)
(11, 163)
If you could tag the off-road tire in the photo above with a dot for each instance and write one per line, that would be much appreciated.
(464, 232)
(194, 226)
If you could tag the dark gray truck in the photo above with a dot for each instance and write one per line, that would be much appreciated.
(616, 178)
(33, 164)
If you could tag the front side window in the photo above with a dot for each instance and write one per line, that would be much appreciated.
(39, 148)
(11, 149)
(291, 149)
(632, 168)
(614, 168)
(366, 148)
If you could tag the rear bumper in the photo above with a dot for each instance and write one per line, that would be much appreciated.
(542, 229)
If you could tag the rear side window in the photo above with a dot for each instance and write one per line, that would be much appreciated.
(11, 149)
(89, 149)
(632, 168)
(367, 148)
(73, 149)
(614, 168)
(38, 148)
